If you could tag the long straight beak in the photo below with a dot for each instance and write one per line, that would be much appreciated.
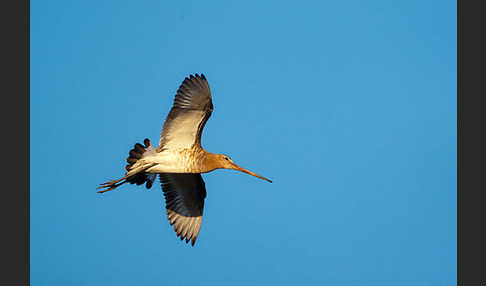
(238, 168)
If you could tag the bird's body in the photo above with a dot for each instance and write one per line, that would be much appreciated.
(179, 159)
(182, 160)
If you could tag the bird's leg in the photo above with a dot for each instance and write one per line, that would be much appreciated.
(111, 185)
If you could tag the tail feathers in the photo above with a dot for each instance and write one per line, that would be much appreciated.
(134, 174)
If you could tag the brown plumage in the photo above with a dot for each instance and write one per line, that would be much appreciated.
(179, 159)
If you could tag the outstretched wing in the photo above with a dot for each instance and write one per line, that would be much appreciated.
(191, 110)
(184, 198)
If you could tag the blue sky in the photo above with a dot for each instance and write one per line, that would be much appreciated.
(348, 106)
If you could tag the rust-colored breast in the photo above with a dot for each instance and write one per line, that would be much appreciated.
(194, 159)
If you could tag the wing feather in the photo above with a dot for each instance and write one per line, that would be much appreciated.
(191, 110)
(184, 198)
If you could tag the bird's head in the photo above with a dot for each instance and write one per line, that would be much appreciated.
(225, 162)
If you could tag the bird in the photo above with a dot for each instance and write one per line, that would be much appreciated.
(179, 159)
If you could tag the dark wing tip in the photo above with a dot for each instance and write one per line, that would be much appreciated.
(194, 93)
(196, 75)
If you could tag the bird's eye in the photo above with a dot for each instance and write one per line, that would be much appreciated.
(226, 158)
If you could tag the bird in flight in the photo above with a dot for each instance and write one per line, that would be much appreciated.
(179, 159)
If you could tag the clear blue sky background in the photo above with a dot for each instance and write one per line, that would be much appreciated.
(349, 106)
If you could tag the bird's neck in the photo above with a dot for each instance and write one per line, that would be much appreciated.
(211, 162)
